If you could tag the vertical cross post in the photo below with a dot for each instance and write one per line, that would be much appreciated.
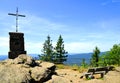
(17, 15)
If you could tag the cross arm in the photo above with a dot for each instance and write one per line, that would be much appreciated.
(21, 15)
(11, 14)
(16, 15)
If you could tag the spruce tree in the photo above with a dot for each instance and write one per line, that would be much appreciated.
(95, 57)
(60, 55)
(47, 50)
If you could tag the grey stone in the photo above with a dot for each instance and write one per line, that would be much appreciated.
(14, 74)
(24, 69)
(39, 74)
(48, 65)
(24, 59)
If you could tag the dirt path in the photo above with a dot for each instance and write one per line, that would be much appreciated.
(74, 76)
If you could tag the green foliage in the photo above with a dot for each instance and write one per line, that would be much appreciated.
(84, 64)
(95, 57)
(60, 55)
(112, 57)
(57, 54)
(115, 54)
(104, 59)
(47, 50)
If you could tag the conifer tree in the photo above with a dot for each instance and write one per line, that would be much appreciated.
(95, 57)
(60, 55)
(47, 50)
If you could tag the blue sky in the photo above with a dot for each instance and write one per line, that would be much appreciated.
(83, 24)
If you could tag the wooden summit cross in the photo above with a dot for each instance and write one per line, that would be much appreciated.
(17, 15)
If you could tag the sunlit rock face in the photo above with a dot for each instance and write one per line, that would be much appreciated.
(24, 69)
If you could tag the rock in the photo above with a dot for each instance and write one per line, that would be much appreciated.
(112, 77)
(38, 62)
(58, 79)
(7, 62)
(24, 59)
(24, 69)
(117, 69)
(48, 65)
(91, 77)
(14, 74)
(40, 74)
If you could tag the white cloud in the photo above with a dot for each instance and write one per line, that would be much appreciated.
(36, 30)
(105, 26)
(30, 24)
(34, 27)
(4, 41)
(73, 47)
(79, 47)
(4, 45)
(33, 47)
(85, 47)
(36, 24)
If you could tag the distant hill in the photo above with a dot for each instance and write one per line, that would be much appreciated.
(73, 58)
(77, 58)
(3, 57)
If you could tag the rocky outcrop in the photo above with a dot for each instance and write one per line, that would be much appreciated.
(24, 69)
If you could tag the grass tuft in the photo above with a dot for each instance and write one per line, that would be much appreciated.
(73, 67)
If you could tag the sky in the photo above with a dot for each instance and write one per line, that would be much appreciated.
(83, 24)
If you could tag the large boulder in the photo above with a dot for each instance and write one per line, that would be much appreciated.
(48, 65)
(40, 74)
(14, 74)
(24, 69)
